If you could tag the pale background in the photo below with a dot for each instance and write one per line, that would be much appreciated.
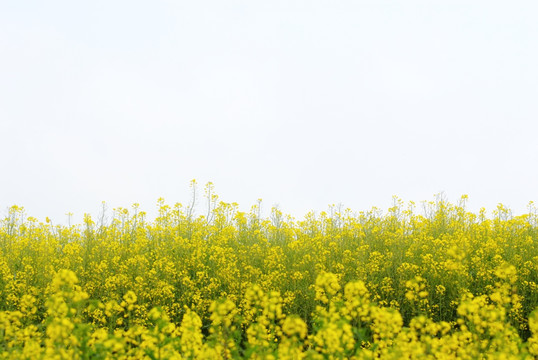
(300, 103)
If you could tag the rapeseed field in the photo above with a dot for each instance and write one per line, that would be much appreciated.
(443, 284)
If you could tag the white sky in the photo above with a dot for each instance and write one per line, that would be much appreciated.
(300, 103)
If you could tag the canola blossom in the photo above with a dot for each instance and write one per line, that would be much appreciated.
(445, 284)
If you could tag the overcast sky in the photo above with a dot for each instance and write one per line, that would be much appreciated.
(300, 103)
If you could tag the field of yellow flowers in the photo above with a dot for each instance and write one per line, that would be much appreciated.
(444, 284)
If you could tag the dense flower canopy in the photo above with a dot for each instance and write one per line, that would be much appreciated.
(444, 284)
